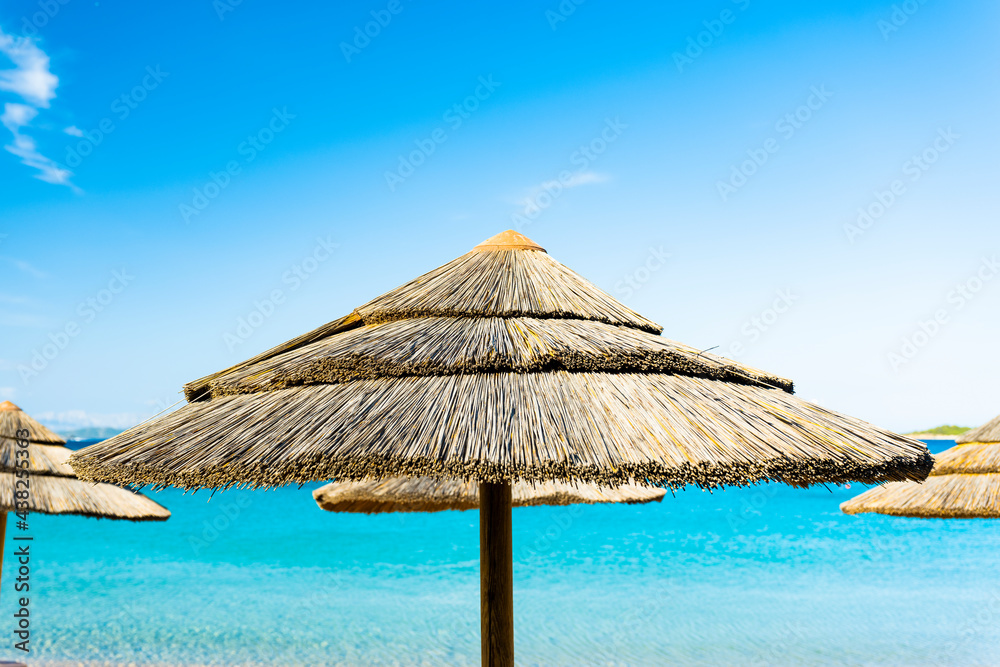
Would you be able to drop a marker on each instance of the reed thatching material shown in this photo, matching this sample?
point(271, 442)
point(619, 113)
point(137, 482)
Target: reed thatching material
point(68, 495)
point(52, 484)
point(988, 432)
point(13, 420)
point(600, 428)
point(940, 497)
point(970, 459)
point(425, 494)
point(964, 484)
point(469, 346)
point(502, 282)
point(42, 459)
point(502, 365)
point(198, 389)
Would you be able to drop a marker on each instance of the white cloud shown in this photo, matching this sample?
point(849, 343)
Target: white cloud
point(574, 181)
point(30, 78)
point(15, 116)
point(36, 85)
point(74, 130)
point(6, 393)
point(24, 266)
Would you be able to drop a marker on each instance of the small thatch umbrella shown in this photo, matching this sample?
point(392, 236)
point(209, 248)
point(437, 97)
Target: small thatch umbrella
point(51, 486)
point(428, 494)
point(964, 483)
point(500, 366)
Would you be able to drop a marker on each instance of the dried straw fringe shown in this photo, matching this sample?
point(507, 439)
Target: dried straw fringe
point(462, 345)
point(593, 427)
point(52, 484)
point(423, 494)
point(988, 432)
point(969, 458)
point(68, 495)
point(42, 459)
point(503, 283)
point(199, 389)
point(941, 496)
point(12, 420)
point(964, 483)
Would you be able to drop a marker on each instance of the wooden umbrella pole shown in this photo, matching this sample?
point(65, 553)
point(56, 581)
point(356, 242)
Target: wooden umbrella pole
point(496, 565)
point(3, 537)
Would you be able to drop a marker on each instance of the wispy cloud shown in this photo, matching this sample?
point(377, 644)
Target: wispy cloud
point(30, 78)
point(10, 298)
point(6, 393)
point(25, 267)
point(574, 181)
point(73, 130)
point(15, 116)
point(23, 320)
point(35, 84)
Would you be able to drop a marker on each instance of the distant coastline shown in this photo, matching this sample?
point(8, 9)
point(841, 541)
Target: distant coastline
point(946, 432)
point(90, 433)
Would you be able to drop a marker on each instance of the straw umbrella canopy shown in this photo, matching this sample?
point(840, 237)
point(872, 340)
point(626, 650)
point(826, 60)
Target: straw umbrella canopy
point(429, 494)
point(53, 487)
point(963, 484)
point(500, 366)
point(48, 484)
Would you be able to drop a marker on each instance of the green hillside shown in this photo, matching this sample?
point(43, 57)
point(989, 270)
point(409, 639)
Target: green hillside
point(943, 430)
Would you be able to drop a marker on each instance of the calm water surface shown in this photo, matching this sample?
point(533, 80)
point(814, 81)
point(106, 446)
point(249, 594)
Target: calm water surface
point(769, 575)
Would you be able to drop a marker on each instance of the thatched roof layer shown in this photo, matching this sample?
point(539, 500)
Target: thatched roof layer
point(597, 427)
point(940, 497)
point(42, 459)
point(501, 365)
point(970, 459)
point(988, 432)
point(53, 487)
point(465, 345)
point(13, 420)
point(424, 494)
point(68, 495)
point(198, 389)
point(964, 484)
point(502, 283)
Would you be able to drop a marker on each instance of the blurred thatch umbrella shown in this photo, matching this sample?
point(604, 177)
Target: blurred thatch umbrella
point(429, 494)
point(50, 485)
point(500, 366)
point(964, 483)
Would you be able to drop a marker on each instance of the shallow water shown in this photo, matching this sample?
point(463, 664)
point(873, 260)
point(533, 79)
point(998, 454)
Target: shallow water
point(766, 576)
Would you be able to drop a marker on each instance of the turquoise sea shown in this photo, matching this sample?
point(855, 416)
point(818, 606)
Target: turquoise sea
point(760, 576)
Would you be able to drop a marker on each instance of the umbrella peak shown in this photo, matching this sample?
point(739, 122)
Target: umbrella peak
point(508, 240)
point(8, 406)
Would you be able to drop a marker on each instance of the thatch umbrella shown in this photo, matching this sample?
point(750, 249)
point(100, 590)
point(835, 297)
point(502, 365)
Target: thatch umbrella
point(500, 366)
point(429, 494)
point(963, 484)
point(48, 484)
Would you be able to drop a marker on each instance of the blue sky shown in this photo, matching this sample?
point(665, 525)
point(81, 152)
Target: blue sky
point(809, 186)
